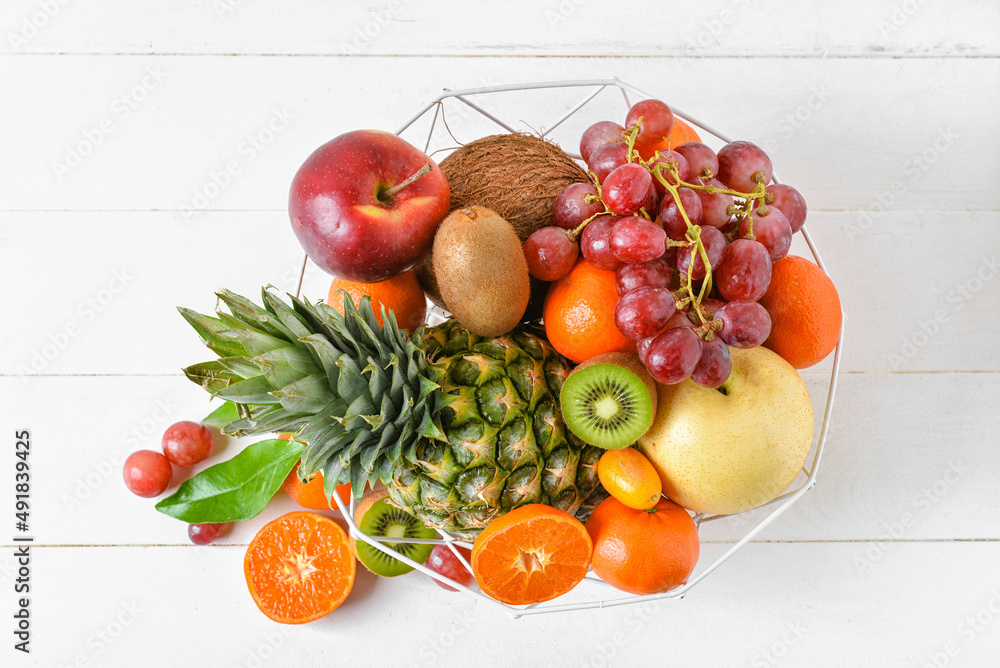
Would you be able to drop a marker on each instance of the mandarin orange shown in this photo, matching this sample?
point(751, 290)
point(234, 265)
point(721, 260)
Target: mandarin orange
point(805, 312)
point(401, 294)
point(629, 477)
point(643, 551)
point(579, 314)
point(310, 494)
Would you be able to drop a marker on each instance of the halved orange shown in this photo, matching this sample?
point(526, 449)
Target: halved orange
point(532, 554)
point(299, 567)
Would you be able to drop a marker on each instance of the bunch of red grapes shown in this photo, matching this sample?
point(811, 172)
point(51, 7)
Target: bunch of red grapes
point(691, 234)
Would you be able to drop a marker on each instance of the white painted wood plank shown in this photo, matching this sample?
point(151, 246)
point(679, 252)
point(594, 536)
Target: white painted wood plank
point(771, 605)
point(908, 296)
point(853, 134)
point(908, 454)
point(523, 27)
point(110, 297)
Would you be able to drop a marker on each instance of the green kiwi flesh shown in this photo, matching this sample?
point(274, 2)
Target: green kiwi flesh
point(385, 521)
point(606, 405)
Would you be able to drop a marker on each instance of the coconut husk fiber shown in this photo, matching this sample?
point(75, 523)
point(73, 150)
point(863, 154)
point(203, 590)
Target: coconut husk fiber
point(516, 175)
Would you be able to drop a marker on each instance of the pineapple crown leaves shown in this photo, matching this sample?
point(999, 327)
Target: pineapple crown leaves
point(359, 394)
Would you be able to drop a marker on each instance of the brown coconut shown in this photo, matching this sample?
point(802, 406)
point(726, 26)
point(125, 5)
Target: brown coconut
point(516, 175)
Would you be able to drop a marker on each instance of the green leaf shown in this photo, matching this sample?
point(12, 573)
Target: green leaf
point(222, 415)
point(254, 342)
point(213, 376)
point(209, 329)
point(237, 489)
point(243, 367)
point(306, 395)
point(250, 391)
point(291, 320)
point(286, 365)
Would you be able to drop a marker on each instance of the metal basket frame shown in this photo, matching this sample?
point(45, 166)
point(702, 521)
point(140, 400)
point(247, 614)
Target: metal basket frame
point(781, 503)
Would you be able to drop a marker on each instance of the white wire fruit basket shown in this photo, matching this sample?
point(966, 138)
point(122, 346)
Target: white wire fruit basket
point(465, 115)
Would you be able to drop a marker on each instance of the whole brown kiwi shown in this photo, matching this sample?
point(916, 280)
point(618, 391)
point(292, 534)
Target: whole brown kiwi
point(516, 175)
point(481, 272)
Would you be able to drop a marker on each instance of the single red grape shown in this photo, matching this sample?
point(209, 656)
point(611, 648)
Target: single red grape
point(791, 203)
point(654, 119)
point(673, 355)
point(571, 208)
point(203, 534)
point(731, 230)
point(635, 239)
point(715, 246)
point(671, 217)
point(670, 257)
point(186, 443)
point(744, 324)
point(606, 159)
point(147, 473)
point(634, 275)
point(715, 365)
point(714, 206)
point(644, 312)
point(642, 346)
point(627, 188)
point(701, 159)
point(594, 243)
point(711, 306)
point(652, 203)
point(666, 158)
point(550, 253)
point(772, 230)
point(685, 318)
point(444, 561)
point(597, 135)
point(741, 163)
point(745, 271)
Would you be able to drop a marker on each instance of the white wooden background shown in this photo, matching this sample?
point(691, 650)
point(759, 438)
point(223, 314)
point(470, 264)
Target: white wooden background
point(882, 113)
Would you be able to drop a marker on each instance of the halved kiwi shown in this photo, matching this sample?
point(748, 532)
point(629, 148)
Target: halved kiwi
point(375, 517)
point(609, 400)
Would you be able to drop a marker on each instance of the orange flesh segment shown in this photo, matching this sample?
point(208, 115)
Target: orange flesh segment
point(299, 568)
point(533, 561)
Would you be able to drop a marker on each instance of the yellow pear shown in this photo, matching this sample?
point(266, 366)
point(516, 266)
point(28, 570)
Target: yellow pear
point(730, 449)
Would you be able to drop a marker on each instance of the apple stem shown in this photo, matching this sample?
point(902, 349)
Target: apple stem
point(399, 186)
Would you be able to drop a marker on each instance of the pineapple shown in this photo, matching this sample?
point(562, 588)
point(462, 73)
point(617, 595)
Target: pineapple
point(460, 428)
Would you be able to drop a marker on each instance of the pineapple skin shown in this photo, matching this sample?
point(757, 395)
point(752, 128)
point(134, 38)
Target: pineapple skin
point(505, 444)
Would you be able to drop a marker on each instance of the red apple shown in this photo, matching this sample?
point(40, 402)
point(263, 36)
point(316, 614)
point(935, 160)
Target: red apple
point(366, 204)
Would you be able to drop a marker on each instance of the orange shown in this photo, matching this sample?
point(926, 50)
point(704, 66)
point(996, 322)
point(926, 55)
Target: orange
point(643, 551)
point(532, 554)
point(401, 294)
point(299, 567)
point(680, 133)
point(629, 477)
point(579, 314)
point(805, 312)
point(310, 494)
